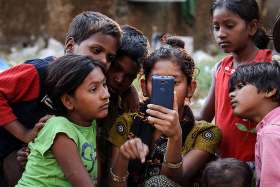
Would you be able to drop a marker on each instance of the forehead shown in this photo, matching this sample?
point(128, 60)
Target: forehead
point(105, 41)
point(95, 76)
point(224, 14)
point(167, 68)
point(126, 64)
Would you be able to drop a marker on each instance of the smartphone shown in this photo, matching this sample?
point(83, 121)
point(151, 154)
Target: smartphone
point(163, 91)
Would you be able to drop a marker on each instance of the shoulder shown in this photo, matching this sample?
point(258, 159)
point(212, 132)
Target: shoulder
point(207, 130)
point(264, 55)
point(203, 136)
point(120, 130)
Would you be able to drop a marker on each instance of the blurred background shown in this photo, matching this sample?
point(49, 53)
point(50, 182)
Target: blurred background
point(37, 28)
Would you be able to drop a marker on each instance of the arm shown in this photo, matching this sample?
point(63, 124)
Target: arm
point(167, 122)
point(207, 112)
point(68, 157)
point(18, 84)
point(21, 133)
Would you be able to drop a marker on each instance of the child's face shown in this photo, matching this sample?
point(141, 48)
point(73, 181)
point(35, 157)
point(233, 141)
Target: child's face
point(246, 101)
point(91, 98)
point(121, 74)
point(98, 46)
point(168, 68)
point(231, 32)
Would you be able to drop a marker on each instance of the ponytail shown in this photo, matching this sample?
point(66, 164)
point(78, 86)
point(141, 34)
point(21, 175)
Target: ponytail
point(261, 39)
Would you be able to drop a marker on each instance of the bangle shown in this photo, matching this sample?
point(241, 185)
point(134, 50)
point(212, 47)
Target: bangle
point(172, 165)
point(117, 178)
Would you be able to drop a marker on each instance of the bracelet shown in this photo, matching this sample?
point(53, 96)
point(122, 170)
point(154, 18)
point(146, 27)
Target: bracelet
point(117, 178)
point(172, 165)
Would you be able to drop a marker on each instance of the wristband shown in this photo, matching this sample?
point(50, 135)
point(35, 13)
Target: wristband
point(117, 178)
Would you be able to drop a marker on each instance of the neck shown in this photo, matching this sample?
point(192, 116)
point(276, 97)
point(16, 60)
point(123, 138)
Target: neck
point(83, 123)
point(264, 110)
point(246, 54)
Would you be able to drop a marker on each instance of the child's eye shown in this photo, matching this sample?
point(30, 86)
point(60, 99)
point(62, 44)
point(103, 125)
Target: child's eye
point(216, 27)
point(96, 50)
point(230, 26)
point(111, 58)
point(240, 85)
point(105, 84)
point(93, 89)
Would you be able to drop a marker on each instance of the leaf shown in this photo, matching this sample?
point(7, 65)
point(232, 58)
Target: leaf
point(241, 127)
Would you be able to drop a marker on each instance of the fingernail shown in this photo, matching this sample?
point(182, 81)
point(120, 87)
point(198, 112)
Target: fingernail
point(148, 110)
point(149, 105)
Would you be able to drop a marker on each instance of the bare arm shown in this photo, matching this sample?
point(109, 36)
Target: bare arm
point(21, 133)
point(207, 112)
point(67, 155)
point(193, 161)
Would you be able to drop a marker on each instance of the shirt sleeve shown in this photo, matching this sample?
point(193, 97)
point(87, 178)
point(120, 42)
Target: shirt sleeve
point(208, 140)
point(120, 130)
point(52, 128)
point(270, 160)
point(17, 84)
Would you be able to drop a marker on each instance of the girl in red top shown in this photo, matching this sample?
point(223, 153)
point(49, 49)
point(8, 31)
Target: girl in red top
point(236, 30)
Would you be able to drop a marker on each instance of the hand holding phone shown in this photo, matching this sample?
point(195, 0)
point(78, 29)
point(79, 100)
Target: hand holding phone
point(163, 91)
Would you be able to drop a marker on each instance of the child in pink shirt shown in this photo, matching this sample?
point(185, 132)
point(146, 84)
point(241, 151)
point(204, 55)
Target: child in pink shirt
point(255, 95)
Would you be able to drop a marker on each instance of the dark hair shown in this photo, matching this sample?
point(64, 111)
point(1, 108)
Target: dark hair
point(174, 52)
point(133, 44)
point(227, 172)
point(247, 10)
point(265, 76)
point(65, 75)
point(177, 55)
point(89, 22)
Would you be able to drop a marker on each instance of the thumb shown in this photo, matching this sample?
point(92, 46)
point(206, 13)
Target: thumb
point(175, 104)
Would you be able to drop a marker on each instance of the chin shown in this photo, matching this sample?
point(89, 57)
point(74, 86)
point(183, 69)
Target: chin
point(102, 114)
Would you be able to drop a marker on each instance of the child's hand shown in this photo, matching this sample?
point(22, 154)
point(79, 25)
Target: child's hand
point(134, 149)
point(31, 134)
point(164, 119)
point(22, 155)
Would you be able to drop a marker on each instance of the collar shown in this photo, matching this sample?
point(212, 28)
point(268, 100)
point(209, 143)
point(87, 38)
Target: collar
point(272, 117)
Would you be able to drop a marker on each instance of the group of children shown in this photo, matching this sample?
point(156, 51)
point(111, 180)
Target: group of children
point(85, 126)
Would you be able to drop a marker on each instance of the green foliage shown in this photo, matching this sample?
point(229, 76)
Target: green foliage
point(204, 77)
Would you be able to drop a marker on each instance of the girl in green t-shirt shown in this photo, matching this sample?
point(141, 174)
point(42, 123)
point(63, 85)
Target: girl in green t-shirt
point(64, 152)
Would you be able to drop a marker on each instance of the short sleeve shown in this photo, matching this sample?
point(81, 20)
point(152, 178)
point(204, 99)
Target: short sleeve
point(46, 136)
point(208, 140)
point(119, 132)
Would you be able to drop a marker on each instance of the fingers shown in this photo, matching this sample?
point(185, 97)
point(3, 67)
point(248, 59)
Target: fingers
point(134, 149)
point(158, 108)
point(45, 119)
point(38, 126)
point(175, 104)
point(22, 155)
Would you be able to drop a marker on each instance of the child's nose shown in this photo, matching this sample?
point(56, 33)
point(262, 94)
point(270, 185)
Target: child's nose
point(221, 33)
point(119, 78)
point(232, 94)
point(105, 93)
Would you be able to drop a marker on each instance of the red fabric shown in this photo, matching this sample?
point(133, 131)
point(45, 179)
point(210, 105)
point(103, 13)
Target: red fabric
point(235, 143)
point(17, 84)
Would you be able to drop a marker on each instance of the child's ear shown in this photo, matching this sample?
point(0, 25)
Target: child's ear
point(191, 88)
point(144, 87)
point(253, 27)
point(271, 93)
point(67, 101)
point(69, 45)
